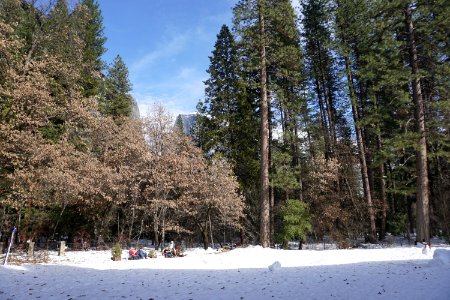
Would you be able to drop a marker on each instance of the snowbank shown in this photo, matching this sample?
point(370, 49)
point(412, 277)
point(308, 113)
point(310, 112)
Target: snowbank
point(243, 273)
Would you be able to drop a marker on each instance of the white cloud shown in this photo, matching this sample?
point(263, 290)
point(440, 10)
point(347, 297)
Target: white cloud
point(164, 50)
point(179, 94)
point(186, 73)
point(171, 73)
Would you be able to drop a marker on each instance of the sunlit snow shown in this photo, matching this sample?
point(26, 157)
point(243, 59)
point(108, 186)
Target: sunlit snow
point(405, 272)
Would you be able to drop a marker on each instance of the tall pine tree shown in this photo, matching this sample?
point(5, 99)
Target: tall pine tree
point(227, 122)
point(90, 21)
point(117, 101)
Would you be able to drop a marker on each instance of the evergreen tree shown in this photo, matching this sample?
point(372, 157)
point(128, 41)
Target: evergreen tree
point(27, 19)
point(296, 222)
point(219, 111)
point(89, 18)
point(349, 34)
point(285, 76)
point(60, 36)
point(316, 17)
point(226, 121)
point(436, 53)
point(117, 100)
point(380, 76)
point(423, 192)
point(429, 68)
point(179, 124)
point(328, 113)
point(264, 205)
point(286, 68)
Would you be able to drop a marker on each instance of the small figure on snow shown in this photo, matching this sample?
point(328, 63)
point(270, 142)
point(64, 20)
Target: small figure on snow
point(142, 254)
point(168, 253)
point(426, 248)
point(133, 254)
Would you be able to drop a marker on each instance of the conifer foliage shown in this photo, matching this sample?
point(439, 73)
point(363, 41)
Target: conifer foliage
point(358, 114)
point(117, 101)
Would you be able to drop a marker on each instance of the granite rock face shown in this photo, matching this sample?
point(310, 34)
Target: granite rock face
point(189, 121)
point(135, 114)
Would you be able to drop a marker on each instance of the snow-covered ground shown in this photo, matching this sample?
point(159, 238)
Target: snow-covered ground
point(243, 273)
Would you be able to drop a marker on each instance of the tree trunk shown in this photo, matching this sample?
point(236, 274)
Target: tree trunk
point(131, 225)
point(118, 227)
point(362, 154)
point(163, 227)
point(27, 216)
point(422, 197)
point(369, 158)
point(141, 229)
point(384, 204)
point(155, 228)
point(323, 120)
point(264, 201)
point(19, 222)
point(393, 198)
point(59, 219)
point(211, 230)
point(299, 192)
point(328, 100)
point(205, 238)
point(271, 190)
point(411, 220)
point(272, 215)
point(443, 208)
point(203, 231)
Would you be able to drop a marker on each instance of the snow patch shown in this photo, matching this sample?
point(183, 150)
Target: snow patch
point(441, 257)
point(426, 250)
point(12, 267)
point(248, 273)
point(275, 266)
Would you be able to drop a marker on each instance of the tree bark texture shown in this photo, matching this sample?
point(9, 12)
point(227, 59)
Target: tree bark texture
point(264, 200)
point(422, 197)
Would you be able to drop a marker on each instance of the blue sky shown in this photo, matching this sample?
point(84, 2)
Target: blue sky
point(165, 44)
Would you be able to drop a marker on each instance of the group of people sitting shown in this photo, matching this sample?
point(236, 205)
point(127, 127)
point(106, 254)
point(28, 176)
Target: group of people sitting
point(172, 251)
point(137, 254)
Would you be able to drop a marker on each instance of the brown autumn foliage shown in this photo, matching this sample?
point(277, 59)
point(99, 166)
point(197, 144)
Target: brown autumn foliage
point(120, 148)
point(184, 191)
point(160, 185)
point(208, 191)
point(58, 153)
point(328, 207)
point(41, 117)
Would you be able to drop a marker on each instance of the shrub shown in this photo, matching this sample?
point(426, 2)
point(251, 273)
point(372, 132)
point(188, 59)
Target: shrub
point(296, 220)
point(116, 252)
point(152, 254)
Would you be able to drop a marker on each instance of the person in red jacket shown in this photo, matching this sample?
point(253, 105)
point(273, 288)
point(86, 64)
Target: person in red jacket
point(133, 253)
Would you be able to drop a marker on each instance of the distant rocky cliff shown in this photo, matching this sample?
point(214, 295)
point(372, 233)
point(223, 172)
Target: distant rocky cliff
point(135, 114)
point(189, 121)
